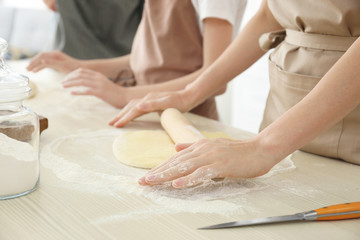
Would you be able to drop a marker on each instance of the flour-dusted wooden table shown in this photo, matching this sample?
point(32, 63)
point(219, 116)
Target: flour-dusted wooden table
point(57, 211)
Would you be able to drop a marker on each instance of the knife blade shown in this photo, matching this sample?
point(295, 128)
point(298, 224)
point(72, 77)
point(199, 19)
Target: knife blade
point(334, 212)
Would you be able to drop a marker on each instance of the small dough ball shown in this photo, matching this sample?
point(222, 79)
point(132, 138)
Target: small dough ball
point(34, 89)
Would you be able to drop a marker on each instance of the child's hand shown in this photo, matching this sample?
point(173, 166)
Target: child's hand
point(150, 103)
point(96, 84)
point(56, 60)
point(208, 159)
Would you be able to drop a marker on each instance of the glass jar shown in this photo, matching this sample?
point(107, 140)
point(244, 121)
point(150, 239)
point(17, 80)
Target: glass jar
point(19, 135)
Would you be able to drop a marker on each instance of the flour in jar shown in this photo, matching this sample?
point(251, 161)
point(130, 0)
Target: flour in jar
point(19, 166)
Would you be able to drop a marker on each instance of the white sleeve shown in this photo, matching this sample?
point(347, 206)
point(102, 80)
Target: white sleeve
point(229, 10)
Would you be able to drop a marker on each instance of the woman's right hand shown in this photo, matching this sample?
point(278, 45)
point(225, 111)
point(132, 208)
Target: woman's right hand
point(56, 60)
point(152, 102)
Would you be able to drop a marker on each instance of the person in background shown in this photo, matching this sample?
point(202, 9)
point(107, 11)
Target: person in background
point(176, 41)
point(313, 103)
point(86, 29)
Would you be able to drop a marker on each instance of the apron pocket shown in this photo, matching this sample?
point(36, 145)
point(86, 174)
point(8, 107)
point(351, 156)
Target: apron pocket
point(286, 90)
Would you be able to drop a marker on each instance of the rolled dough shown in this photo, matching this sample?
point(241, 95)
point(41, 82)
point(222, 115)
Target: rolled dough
point(148, 148)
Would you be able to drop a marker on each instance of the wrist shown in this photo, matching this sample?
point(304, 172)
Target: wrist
point(82, 64)
point(123, 96)
point(191, 96)
point(254, 157)
point(271, 149)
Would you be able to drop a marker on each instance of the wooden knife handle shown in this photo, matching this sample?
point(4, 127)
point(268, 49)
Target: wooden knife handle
point(178, 127)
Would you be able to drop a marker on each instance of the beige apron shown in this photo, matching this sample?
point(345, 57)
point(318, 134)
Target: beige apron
point(168, 45)
point(317, 35)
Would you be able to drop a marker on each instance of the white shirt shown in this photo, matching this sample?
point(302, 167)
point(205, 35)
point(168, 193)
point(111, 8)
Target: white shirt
point(229, 10)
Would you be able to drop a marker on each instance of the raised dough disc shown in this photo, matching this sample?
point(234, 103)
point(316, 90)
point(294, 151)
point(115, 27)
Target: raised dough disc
point(148, 148)
point(34, 90)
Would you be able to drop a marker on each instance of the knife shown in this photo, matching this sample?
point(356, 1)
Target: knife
point(334, 212)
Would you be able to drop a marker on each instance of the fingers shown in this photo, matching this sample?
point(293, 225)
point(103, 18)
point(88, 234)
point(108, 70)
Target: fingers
point(174, 161)
point(79, 77)
point(180, 164)
point(182, 176)
point(56, 60)
point(189, 167)
point(199, 176)
point(114, 121)
point(137, 107)
point(39, 61)
point(129, 113)
point(86, 82)
point(50, 63)
point(38, 67)
point(36, 62)
point(181, 146)
point(172, 173)
point(45, 63)
point(33, 63)
point(171, 162)
point(142, 181)
point(84, 92)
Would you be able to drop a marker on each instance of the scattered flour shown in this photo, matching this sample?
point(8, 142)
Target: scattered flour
point(83, 106)
point(19, 166)
point(86, 161)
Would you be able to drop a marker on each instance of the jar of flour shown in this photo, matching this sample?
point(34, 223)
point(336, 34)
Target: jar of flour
point(19, 134)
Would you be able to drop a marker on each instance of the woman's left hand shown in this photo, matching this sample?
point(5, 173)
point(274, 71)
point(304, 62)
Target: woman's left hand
point(209, 159)
point(97, 85)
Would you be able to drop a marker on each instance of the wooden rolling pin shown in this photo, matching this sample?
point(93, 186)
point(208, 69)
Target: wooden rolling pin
point(178, 127)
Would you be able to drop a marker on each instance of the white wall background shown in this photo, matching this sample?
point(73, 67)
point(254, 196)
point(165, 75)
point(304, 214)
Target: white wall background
point(29, 4)
point(27, 24)
point(243, 104)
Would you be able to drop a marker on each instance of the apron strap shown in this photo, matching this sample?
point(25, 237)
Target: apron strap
point(319, 41)
point(302, 39)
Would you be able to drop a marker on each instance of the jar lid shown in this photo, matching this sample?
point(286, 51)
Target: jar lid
point(13, 86)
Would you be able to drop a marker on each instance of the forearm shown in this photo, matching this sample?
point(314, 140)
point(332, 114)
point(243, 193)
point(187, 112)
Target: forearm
point(109, 67)
point(172, 85)
point(335, 96)
point(241, 54)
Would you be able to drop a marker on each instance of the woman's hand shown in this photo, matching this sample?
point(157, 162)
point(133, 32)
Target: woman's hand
point(96, 84)
point(56, 60)
point(150, 103)
point(209, 159)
